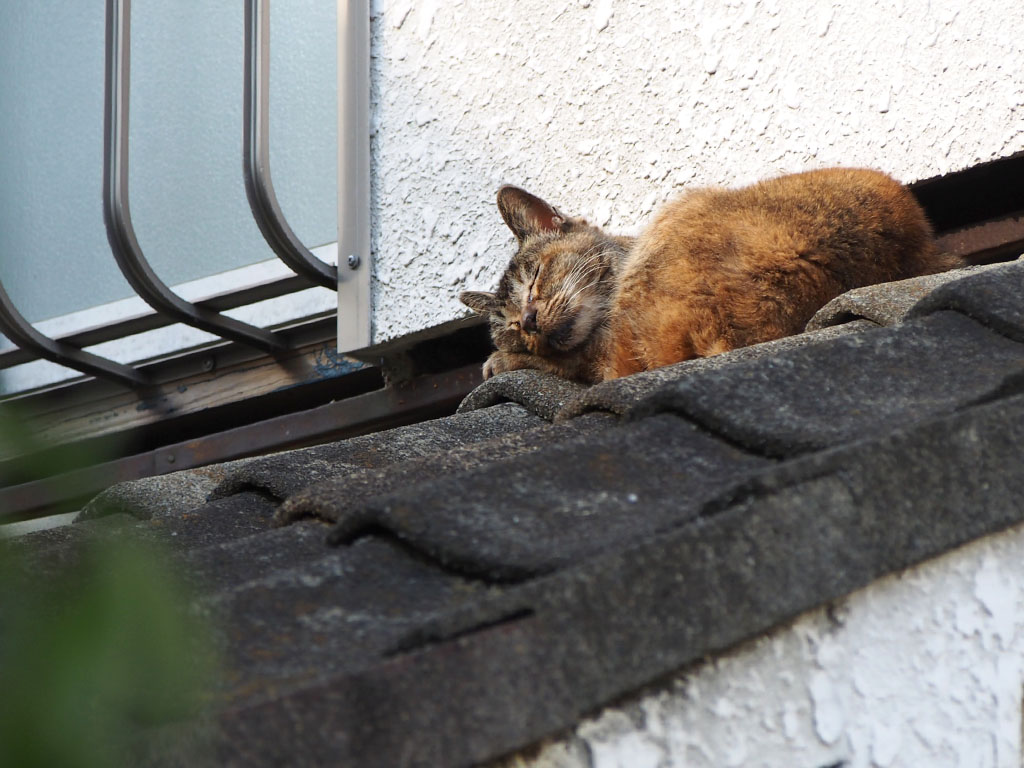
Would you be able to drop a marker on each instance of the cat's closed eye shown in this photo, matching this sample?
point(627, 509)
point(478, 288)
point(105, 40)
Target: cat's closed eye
point(530, 294)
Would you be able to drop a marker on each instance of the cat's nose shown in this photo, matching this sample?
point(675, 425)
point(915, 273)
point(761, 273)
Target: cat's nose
point(529, 321)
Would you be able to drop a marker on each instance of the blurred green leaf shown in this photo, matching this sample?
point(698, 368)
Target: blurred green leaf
point(97, 643)
point(93, 655)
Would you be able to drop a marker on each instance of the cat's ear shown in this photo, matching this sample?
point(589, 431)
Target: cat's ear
point(527, 214)
point(481, 302)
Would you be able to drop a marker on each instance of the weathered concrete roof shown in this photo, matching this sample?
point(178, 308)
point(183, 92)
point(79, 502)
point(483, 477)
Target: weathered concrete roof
point(445, 593)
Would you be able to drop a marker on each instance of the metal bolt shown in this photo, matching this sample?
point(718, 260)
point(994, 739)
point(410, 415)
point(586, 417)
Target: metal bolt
point(171, 458)
point(353, 261)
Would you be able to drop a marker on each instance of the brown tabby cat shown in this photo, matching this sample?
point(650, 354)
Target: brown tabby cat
point(717, 269)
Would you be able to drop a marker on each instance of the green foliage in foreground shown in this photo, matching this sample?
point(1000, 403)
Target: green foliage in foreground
point(92, 654)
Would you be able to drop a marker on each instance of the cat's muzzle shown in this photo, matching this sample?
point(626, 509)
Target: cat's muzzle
point(529, 320)
point(561, 337)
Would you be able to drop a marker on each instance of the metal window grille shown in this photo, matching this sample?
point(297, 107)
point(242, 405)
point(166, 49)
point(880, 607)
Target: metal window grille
point(353, 210)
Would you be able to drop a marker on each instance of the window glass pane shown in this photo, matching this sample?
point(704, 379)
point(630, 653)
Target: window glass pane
point(54, 256)
point(186, 187)
point(304, 116)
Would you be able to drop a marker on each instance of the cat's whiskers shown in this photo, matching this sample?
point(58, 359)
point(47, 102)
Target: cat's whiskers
point(591, 250)
point(575, 277)
point(587, 315)
point(575, 296)
point(581, 271)
point(584, 260)
point(575, 287)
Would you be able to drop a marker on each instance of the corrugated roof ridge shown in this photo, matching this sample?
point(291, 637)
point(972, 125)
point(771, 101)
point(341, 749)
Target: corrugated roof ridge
point(993, 298)
point(888, 303)
point(814, 397)
point(543, 394)
point(335, 497)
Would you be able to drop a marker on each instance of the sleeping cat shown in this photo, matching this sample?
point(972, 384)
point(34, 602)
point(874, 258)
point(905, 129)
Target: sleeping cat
point(717, 269)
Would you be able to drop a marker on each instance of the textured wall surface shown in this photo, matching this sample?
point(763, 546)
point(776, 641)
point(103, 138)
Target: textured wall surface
point(923, 668)
point(608, 107)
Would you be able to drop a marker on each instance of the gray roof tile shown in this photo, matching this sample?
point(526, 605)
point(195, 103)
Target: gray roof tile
point(333, 499)
point(619, 395)
point(541, 393)
point(531, 571)
point(534, 513)
point(160, 495)
point(994, 298)
point(534, 657)
point(886, 303)
point(335, 614)
point(282, 474)
point(857, 386)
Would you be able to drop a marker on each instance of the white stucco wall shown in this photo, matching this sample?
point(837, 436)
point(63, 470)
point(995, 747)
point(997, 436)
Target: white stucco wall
point(922, 668)
point(608, 107)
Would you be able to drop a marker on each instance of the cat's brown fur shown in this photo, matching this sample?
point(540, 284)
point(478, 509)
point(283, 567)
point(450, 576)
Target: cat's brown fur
point(717, 269)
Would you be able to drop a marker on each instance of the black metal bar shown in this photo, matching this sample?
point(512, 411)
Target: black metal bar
point(149, 320)
point(256, 153)
point(116, 211)
point(20, 331)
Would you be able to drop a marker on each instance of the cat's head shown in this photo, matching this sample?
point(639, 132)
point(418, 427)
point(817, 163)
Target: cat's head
point(556, 290)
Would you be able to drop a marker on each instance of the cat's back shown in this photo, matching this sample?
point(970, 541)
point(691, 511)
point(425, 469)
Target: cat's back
point(860, 223)
point(837, 203)
point(818, 192)
point(722, 268)
point(830, 189)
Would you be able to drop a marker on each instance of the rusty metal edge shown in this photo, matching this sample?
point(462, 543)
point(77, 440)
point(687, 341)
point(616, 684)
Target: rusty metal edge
point(433, 394)
point(987, 241)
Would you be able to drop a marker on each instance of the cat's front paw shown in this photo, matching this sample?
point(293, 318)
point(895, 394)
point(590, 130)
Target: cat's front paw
point(500, 362)
point(494, 365)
